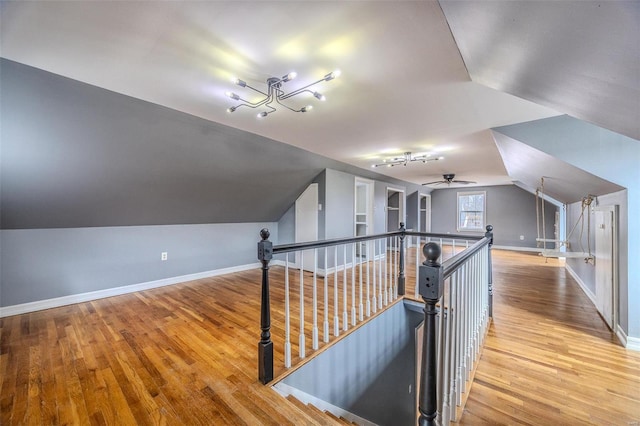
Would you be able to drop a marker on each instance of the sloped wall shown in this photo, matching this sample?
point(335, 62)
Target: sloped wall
point(95, 185)
point(613, 157)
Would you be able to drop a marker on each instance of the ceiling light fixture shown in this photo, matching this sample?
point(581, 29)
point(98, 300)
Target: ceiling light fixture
point(275, 94)
point(407, 158)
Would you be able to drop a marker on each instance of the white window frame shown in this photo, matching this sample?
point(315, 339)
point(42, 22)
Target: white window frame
point(484, 211)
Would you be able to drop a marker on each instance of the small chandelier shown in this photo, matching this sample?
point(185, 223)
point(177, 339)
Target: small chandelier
point(407, 158)
point(275, 94)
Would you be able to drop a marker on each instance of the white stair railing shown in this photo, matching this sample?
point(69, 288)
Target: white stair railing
point(368, 274)
point(461, 288)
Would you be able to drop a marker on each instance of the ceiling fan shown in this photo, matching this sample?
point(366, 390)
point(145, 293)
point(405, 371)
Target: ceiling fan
point(448, 178)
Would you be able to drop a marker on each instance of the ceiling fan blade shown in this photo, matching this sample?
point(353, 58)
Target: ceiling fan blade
point(463, 182)
point(437, 182)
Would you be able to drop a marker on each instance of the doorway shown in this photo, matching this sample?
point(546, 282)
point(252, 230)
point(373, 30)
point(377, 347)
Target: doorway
point(363, 220)
point(424, 213)
point(395, 208)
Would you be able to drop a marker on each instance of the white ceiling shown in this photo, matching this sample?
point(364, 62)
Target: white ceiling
point(404, 85)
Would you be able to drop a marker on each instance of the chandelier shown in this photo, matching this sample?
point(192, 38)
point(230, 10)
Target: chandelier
point(407, 158)
point(275, 94)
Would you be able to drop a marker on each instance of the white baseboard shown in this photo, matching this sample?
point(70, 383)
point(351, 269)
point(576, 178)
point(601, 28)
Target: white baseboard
point(633, 343)
point(581, 283)
point(321, 272)
point(39, 305)
point(286, 390)
point(516, 248)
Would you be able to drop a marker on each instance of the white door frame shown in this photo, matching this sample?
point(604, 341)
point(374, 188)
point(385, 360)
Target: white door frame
point(422, 217)
point(306, 222)
point(401, 209)
point(370, 186)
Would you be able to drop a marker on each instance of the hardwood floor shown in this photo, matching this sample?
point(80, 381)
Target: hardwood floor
point(187, 354)
point(549, 358)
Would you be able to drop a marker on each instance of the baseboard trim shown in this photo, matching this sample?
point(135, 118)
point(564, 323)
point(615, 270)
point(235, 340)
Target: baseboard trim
point(286, 390)
point(40, 305)
point(581, 283)
point(633, 343)
point(516, 248)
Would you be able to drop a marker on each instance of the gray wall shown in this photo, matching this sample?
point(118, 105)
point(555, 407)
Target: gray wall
point(91, 157)
point(40, 264)
point(339, 205)
point(413, 210)
point(510, 209)
point(371, 369)
point(586, 271)
point(94, 185)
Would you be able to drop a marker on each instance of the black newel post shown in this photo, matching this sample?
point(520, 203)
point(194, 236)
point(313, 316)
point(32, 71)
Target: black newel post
point(265, 346)
point(401, 290)
point(430, 286)
point(489, 235)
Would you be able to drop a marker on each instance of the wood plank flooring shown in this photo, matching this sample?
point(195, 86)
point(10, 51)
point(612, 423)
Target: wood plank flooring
point(549, 359)
point(187, 354)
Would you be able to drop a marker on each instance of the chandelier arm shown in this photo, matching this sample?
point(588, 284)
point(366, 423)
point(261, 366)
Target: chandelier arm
point(287, 107)
point(300, 90)
point(256, 90)
point(253, 105)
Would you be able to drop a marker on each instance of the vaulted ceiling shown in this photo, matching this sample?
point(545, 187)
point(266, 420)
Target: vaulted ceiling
point(417, 76)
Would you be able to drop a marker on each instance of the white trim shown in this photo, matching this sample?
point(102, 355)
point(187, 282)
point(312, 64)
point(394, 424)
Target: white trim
point(633, 344)
point(56, 302)
point(581, 283)
point(286, 390)
point(516, 248)
point(622, 336)
point(321, 272)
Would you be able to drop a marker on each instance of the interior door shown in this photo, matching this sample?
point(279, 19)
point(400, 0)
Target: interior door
point(307, 223)
point(604, 224)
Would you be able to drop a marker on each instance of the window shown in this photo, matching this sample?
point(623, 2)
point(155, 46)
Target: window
point(471, 211)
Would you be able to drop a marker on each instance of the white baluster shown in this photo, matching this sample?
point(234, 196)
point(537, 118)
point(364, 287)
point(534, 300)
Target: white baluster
point(301, 339)
point(446, 394)
point(453, 367)
point(465, 327)
point(459, 341)
point(336, 319)
point(353, 284)
point(360, 306)
point(345, 317)
point(374, 299)
point(325, 327)
point(381, 300)
point(314, 330)
point(387, 268)
point(368, 281)
point(287, 316)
